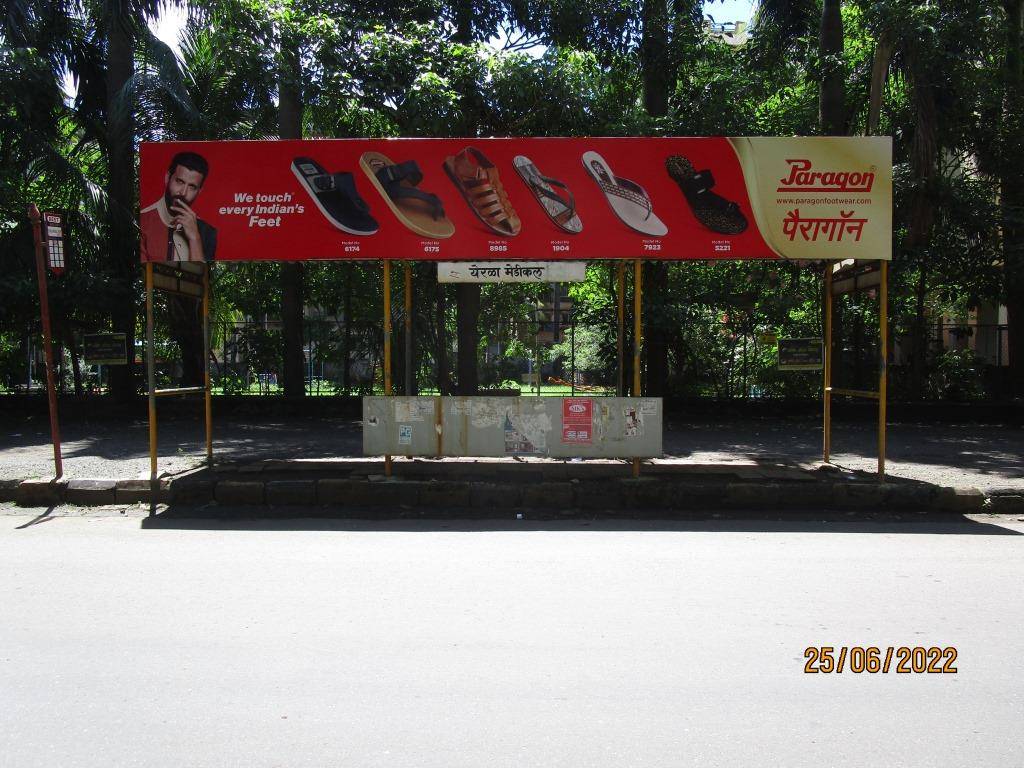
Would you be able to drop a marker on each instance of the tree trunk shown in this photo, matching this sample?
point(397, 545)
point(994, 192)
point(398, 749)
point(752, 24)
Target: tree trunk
point(655, 283)
point(292, 272)
point(346, 363)
point(58, 361)
point(443, 378)
point(469, 336)
point(76, 367)
point(654, 65)
point(831, 100)
point(924, 153)
point(122, 238)
point(398, 338)
point(1012, 183)
point(879, 76)
point(658, 77)
point(412, 377)
point(186, 328)
point(467, 295)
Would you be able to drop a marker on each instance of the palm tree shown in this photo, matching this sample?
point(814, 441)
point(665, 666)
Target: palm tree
point(782, 26)
point(220, 89)
point(1012, 185)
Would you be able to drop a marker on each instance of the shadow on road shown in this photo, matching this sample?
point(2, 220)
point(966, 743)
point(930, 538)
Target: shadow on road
point(258, 519)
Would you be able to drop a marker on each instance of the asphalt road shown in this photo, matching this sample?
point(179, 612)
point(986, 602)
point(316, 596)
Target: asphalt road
point(328, 643)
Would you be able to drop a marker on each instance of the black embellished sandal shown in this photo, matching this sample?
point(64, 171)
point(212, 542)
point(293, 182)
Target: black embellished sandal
point(712, 210)
point(398, 184)
point(336, 196)
point(560, 209)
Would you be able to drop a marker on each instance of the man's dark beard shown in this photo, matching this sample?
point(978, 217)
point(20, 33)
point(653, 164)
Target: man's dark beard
point(170, 200)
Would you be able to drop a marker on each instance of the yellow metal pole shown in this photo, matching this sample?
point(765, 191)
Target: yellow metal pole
point(150, 384)
point(620, 387)
point(827, 387)
point(883, 359)
point(387, 328)
point(208, 404)
point(387, 346)
point(638, 284)
point(407, 390)
point(408, 328)
point(539, 314)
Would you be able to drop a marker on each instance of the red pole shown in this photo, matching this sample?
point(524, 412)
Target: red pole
point(44, 310)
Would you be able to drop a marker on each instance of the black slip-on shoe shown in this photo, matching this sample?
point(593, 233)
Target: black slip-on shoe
point(336, 196)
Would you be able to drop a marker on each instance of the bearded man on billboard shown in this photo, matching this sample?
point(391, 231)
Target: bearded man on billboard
point(171, 230)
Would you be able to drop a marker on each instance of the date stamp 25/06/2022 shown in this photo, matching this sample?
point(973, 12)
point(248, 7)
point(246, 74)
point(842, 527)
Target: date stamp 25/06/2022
point(874, 660)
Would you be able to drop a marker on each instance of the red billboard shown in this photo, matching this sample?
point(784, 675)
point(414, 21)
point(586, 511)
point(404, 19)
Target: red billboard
point(519, 199)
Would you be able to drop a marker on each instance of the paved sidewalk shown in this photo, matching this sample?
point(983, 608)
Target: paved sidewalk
point(979, 456)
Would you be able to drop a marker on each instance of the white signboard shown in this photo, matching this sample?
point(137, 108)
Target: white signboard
point(511, 271)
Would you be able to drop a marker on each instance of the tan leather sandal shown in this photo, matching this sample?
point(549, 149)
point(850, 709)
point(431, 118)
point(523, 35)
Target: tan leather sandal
point(477, 179)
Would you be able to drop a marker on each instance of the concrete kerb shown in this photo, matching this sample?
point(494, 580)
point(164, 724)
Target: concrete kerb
point(40, 493)
point(9, 489)
point(241, 493)
point(596, 494)
point(290, 493)
point(139, 491)
point(91, 492)
point(1005, 501)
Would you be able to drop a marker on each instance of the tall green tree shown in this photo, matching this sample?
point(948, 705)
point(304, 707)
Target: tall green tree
point(1011, 179)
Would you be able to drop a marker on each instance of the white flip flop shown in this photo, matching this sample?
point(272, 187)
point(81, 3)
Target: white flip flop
point(628, 199)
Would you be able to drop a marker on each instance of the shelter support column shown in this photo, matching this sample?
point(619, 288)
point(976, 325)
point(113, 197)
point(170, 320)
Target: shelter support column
point(151, 381)
point(387, 345)
point(883, 360)
point(408, 329)
point(638, 284)
point(620, 387)
point(826, 392)
point(207, 400)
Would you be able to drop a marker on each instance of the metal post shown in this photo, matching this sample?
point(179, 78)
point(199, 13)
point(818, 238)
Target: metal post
point(150, 383)
point(572, 341)
point(536, 348)
point(883, 357)
point(387, 346)
point(408, 329)
point(620, 387)
point(638, 284)
point(44, 312)
point(827, 386)
point(207, 398)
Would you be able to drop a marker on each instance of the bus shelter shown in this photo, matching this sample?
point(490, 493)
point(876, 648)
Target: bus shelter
point(511, 207)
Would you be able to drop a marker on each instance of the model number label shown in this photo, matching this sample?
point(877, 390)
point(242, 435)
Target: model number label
point(495, 247)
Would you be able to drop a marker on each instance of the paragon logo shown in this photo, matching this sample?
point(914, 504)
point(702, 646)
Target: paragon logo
point(802, 179)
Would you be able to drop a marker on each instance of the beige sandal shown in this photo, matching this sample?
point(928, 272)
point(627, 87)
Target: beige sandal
point(420, 211)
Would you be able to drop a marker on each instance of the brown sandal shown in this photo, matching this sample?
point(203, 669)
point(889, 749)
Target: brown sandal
point(477, 179)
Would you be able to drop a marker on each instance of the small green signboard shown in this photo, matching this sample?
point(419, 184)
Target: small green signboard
point(105, 349)
point(801, 354)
